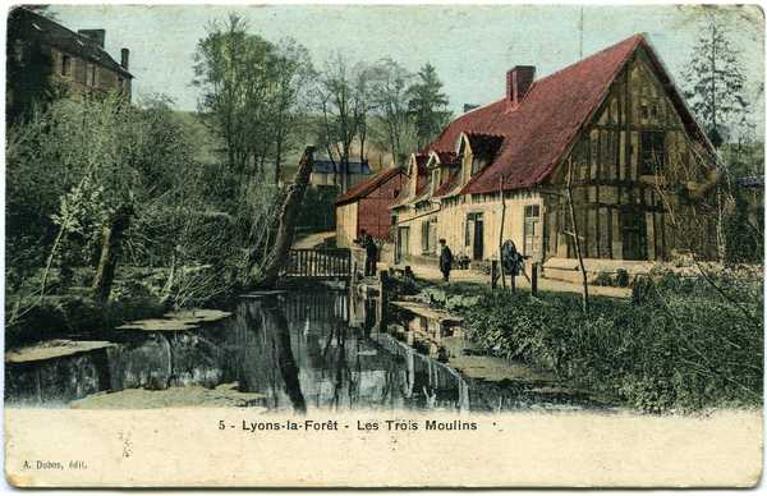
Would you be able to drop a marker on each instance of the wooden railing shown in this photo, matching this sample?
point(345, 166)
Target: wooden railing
point(328, 263)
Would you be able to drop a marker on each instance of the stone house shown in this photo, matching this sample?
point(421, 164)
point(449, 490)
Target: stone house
point(366, 206)
point(45, 57)
point(613, 126)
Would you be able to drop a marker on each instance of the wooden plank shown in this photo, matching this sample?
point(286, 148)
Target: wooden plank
point(617, 236)
point(592, 233)
point(650, 238)
point(427, 312)
point(603, 232)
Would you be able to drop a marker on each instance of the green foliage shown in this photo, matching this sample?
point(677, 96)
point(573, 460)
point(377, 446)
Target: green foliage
point(428, 105)
point(318, 209)
point(679, 345)
point(716, 81)
point(393, 127)
point(73, 166)
point(251, 93)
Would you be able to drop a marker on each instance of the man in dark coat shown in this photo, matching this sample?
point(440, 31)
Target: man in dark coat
point(367, 243)
point(445, 260)
point(371, 256)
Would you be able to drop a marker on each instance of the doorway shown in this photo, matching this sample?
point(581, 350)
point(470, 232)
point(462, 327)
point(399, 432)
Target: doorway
point(475, 235)
point(403, 242)
point(634, 232)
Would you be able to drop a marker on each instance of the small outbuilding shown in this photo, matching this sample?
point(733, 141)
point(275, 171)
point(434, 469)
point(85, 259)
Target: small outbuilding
point(366, 206)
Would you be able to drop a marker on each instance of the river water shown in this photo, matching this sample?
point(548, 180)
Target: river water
point(295, 351)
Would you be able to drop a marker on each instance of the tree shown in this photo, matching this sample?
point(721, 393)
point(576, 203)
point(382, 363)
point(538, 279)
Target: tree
point(251, 92)
point(715, 80)
point(716, 94)
point(428, 105)
point(291, 71)
point(98, 164)
point(343, 100)
point(389, 98)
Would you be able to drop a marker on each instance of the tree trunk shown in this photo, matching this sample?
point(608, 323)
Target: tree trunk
point(278, 162)
point(576, 236)
point(721, 240)
point(51, 256)
point(287, 219)
point(500, 236)
point(112, 236)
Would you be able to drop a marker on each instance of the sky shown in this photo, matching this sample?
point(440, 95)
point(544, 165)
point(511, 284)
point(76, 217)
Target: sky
point(471, 46)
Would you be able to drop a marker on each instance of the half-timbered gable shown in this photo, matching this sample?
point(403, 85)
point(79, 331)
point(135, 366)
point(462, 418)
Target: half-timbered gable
point(634, 165)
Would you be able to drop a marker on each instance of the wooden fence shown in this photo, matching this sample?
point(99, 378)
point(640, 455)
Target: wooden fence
point(331, 263)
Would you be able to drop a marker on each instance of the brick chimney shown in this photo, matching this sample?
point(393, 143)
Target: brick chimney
point(518, 81)
point(96, 35)
point(124, 58)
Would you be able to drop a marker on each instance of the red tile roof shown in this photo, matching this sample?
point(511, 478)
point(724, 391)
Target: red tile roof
point(538, 132)
point(366, 187)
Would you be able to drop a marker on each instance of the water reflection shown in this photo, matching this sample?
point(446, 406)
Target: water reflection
point(299, 350)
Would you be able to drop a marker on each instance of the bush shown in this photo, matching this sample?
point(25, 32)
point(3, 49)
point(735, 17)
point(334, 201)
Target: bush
point(80, 316)
point(678, 345)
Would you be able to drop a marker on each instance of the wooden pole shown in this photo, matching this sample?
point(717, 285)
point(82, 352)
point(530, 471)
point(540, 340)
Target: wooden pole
point(534, 279)
point(575, 234)
point(500, 236)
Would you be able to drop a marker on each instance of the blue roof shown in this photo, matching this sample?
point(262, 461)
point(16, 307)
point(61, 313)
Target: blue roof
point(326, 167)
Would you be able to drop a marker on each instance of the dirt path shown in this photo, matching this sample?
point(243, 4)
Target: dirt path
point(309, 241)
point(432, 274)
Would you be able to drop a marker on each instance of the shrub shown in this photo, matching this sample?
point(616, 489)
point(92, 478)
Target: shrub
point(677, 345)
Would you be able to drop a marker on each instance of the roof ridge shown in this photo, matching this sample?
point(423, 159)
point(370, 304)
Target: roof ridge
point(365, 187)
point(77, 36)
point(637, 37)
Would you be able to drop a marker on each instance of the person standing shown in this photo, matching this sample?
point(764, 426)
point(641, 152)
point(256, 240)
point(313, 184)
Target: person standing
point(445, 260)
point(371, 256)
point(364, 241)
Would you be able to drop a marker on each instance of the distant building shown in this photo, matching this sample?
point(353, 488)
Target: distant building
point(366, 206)
point(46, 59)
point(330, 173)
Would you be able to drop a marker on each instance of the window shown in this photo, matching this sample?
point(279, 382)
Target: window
point(532, 211)
point(652, 152)
point(429, 236)
point(532, 230)
point(470, 227)
point(644, 111)
point(476, 166)
point(66, 65)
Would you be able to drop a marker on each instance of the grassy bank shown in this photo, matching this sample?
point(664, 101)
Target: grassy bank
point(680, 344)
